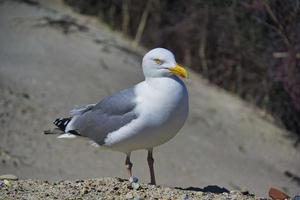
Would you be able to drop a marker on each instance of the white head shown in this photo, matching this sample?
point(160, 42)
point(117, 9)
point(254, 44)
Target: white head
point(161, 62)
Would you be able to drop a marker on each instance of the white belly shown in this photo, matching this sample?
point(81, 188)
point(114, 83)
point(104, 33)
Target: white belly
point(162, 110)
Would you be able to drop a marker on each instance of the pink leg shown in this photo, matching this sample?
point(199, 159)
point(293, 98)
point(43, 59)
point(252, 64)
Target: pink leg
point(128, 165)
point(151, 168)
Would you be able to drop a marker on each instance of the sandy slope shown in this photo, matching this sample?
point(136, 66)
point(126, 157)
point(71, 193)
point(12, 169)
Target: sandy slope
point(44, 72)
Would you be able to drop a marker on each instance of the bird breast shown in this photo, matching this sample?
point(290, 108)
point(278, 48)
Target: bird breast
point(162, 108)
point(162, 99)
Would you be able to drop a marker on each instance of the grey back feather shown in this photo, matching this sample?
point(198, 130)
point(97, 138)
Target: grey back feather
point(81, 109)
point(110, 114)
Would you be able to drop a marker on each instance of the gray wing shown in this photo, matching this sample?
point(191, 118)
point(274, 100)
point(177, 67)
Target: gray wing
point(108, 115)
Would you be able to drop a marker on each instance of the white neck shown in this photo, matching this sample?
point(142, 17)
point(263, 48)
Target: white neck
point(168, 83)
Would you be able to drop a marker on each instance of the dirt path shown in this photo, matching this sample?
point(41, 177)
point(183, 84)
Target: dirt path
point(52, 59)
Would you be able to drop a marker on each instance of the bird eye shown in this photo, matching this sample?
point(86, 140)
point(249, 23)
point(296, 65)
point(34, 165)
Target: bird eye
point(158, 61)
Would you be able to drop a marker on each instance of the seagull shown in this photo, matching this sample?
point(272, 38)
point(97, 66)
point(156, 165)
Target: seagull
point(143, 116)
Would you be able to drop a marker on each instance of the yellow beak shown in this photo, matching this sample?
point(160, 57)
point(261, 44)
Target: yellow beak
point(179, 70)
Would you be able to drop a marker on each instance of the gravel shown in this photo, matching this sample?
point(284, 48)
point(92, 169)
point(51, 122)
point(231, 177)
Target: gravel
point(105, 188)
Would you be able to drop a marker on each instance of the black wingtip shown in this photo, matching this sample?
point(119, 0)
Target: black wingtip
point(62, 123)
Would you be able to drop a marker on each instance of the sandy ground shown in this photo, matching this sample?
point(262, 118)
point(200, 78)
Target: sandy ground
point(45, 70)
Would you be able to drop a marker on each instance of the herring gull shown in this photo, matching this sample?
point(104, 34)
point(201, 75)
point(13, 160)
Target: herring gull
point(140, 117)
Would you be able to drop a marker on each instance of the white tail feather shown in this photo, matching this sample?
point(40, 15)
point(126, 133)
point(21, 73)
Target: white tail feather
point(66, 136)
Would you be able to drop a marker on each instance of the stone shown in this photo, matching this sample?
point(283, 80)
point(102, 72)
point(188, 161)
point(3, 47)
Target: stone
point(275, 194)
point(7, 183)
point(133, 179)
point(8, 177)
point(135, 186)
point(185, 197)
point(129, 196)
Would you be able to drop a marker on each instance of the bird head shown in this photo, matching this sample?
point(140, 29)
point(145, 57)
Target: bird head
point(160, 62)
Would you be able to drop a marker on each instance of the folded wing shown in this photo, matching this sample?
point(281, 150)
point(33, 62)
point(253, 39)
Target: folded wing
point(96, 121)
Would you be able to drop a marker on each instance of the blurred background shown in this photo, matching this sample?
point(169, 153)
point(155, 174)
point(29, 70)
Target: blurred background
point(244, 125)
point(250, 47)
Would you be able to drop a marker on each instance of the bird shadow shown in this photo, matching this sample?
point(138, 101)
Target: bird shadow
point(210, 188)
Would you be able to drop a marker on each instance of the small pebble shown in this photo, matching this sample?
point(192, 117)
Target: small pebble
point(8, 177)
point(185, 197)
point(84, 191)
point(116, 188)
point(133, 179)
point(7, 183)
point(244, 191)
point(135, 186)
point(129, 196)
